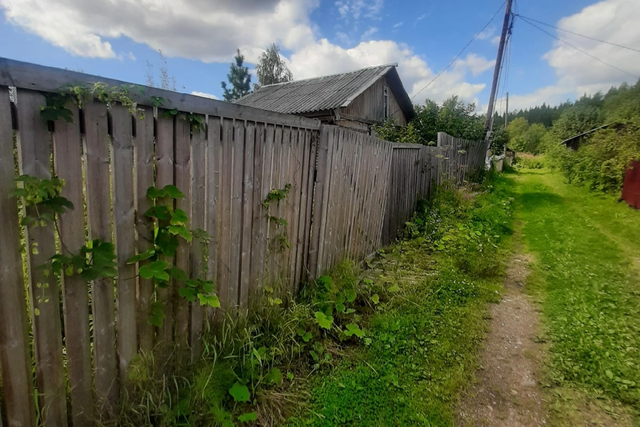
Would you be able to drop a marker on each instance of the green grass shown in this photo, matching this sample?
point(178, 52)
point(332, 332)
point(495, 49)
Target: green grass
point(428, 325)
point(587, 251)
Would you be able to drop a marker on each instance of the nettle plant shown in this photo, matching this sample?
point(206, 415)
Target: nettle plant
point(170, 225)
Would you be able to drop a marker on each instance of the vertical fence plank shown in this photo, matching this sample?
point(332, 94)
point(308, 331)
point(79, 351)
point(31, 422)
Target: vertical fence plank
point(124, 221)
point(273, 207)
point(312, 138)
point(224, 251)
point(247, 215)
point(182, 147)
point(34, 151)
point(198, 222)
point(258, 216)
point(164, 177)
point(67, 149)
point(212, 194)
point(143, 149)
point(99, 225)
point(15, 359)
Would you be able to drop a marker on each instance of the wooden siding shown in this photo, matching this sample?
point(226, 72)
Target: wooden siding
point(369, 106)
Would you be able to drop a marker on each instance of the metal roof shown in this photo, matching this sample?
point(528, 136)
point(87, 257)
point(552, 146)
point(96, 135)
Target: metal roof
point(326, 93)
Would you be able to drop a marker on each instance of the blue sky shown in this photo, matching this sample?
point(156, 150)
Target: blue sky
point(199, 37)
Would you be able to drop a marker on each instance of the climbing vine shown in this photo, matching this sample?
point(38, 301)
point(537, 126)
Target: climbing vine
point(170, 225)
point(56, 103)
point(280, 241)
point(196, 122)
point(43, 204)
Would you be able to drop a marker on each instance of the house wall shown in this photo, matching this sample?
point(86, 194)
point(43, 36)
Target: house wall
point(370, 105)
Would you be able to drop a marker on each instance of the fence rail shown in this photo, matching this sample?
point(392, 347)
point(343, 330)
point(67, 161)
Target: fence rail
point(348, 193)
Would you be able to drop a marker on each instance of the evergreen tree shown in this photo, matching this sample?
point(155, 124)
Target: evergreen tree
point(272, 68)
point(239, 78)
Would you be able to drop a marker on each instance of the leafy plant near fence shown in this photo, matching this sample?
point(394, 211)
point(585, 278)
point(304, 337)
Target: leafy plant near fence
point(43, 203)
point(279, 241)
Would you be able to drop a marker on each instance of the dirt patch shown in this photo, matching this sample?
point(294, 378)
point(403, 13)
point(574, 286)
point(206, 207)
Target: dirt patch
point(506, 392)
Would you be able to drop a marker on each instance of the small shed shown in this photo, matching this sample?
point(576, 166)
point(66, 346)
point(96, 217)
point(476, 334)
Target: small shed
point(357, 99)
point(575, 141)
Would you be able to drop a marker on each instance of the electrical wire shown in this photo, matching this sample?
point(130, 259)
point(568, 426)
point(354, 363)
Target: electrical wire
point(580, 35)
point(576, 48)
point(459, 54)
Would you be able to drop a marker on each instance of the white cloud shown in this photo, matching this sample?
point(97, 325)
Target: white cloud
point(324, 58)
point(370, 32)
point(354, 9)
point(615, 21)
point(487, 34)
point(475, 64)
point(211, 31)
point(398, 25)
point(204, 95)
point(200, 29)
point(495, 40)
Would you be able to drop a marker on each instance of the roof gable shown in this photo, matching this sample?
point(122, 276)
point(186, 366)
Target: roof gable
point(326, 92)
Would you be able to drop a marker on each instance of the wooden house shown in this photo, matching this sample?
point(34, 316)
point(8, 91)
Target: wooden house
point(356, 100)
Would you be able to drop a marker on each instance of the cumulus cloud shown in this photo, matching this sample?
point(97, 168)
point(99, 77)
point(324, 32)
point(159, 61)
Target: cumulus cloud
point(615, 21)
point(196, 29)
point(325, 58)
point(211, 31)
point(487, 34)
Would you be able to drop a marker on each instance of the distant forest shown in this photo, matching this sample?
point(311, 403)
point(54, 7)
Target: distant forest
point(546, 115)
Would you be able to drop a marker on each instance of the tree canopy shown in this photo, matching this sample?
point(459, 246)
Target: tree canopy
point(454, 117)
point(272, 68)
point(239, 79)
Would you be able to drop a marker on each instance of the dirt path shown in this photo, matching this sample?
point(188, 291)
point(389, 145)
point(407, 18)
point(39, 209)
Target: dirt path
point(506, 392)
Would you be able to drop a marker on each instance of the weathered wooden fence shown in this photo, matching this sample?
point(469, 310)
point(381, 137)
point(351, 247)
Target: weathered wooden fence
point(69, 342)
point(416, 168)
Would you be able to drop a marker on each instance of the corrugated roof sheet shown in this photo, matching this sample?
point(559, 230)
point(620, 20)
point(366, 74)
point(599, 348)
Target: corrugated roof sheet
point(317, 94)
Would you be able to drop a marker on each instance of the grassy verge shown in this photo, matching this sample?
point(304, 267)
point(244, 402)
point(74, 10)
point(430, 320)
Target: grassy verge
point(423, 336)
point(392, 344)
point(587, 254)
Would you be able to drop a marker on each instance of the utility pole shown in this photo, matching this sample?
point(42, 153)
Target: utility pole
point(506, 113)
point(506, 29)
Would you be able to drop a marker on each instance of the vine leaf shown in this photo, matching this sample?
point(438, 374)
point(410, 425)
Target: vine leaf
point(155, 270)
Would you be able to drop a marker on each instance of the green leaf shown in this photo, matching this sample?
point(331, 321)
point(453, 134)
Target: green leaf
point(179, 217)
point(158, 266)
point(250, 416)
point(375, 298)
point(153, 193)
point(177, 273)
point(275, 376)
point(323, 320)
point(210, 300)
point(354, 329)
point(173, 192)
point(156, 314)
point(188, 293)
point(159, 212)
point(350, 294)
point(142, 256)
point(239, 392)
point(146, 272)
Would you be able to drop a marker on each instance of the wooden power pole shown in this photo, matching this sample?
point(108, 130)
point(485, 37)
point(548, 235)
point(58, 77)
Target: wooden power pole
point(506, 27)
point(506, 113)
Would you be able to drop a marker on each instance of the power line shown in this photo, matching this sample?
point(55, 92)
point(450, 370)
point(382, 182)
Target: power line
point(577, 48)
point(461, 52)
point(580, 35)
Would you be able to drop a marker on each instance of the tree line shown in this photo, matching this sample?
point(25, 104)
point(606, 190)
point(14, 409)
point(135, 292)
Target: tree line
point(602, 157)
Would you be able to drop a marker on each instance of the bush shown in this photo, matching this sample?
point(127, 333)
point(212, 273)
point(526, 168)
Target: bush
point(527, 161)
